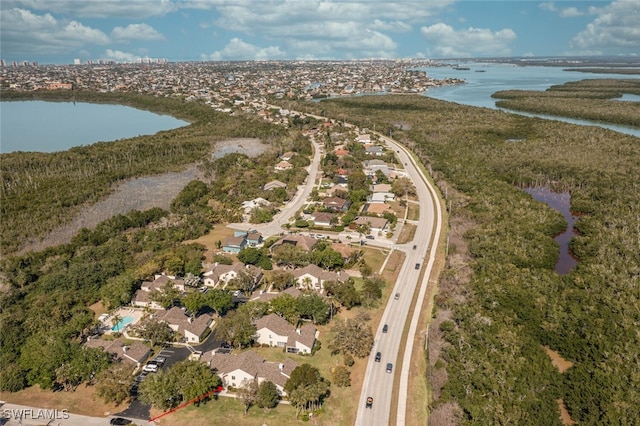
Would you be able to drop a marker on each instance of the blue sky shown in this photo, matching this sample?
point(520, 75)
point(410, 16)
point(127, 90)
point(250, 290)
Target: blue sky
point(57, 31)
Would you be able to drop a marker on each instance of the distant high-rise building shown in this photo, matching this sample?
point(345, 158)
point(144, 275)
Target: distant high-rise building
point(3, 63)
point(77, 61)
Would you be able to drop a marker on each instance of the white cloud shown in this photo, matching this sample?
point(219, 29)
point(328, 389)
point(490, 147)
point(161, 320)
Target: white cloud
point(550, 6)
point(567, 12)
point(136, 9)
point(237, 49)
point(570, 12)
point(120, 56)
point(136, 32)
point(614, 31)
point(362, 27)
point(24, 32)
point(445, 41)
point(397, 26)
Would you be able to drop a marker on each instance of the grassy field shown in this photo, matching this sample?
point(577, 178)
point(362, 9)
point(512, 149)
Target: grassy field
point(83, 401)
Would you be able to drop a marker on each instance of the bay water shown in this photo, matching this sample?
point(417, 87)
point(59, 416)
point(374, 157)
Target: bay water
point(484, 79)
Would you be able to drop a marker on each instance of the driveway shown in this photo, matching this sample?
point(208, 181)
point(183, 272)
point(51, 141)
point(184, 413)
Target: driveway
point(173, 354)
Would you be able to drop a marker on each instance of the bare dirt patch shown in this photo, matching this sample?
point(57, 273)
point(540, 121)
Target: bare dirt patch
point(556, 359)
point(565, 417)
point(141, 194)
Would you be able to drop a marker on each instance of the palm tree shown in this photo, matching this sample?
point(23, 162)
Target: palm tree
point(115, 322)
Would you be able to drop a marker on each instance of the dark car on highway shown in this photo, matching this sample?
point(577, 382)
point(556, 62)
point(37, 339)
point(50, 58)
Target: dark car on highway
point(369, 403)
point(378, 356)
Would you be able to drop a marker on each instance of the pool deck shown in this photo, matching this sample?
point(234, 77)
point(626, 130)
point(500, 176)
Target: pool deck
point(122, 312)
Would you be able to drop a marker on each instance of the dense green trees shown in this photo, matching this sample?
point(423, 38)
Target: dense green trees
point(185, 381)
point(114, 384)
point(499, 290)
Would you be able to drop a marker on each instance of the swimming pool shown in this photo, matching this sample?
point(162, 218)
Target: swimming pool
point(122, 323)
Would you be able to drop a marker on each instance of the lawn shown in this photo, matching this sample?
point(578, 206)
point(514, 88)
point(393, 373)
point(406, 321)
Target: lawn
point(218, 233)
point(83, 401)
point(407, 233)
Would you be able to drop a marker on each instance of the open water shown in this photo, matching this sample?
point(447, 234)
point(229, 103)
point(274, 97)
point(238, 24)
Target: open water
point(57, 126)
point(484, 79)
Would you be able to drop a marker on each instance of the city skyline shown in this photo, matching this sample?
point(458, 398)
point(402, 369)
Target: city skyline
point(201, 30)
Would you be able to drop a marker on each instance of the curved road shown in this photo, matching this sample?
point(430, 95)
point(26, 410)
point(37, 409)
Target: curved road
point(378, 383)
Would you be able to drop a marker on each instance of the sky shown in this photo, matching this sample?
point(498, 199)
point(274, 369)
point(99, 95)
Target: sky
point(58, 31)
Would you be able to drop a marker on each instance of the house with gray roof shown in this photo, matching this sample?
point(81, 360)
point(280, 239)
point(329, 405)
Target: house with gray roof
point(143, 298)
point(313, 277)
point(237, 370)
point(135, 353)
point(192, 330)
point(273, 330)
point(220, 275)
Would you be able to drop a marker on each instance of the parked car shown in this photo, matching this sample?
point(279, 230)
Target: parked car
point(150, 367)
point(369, 403)
point(119, 421)
point(237, 293)
point(160, 360)
point(370, 237)
point(389, 367)
point(378, 356)
point(385, 328)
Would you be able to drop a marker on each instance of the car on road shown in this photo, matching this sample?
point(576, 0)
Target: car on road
point(237, 293)
point(119, 421)
point(415, 246)
point(150, 367)
point(417, 266)
point(389, 368)
point(397, 296)
point(369, 403)
point(378, 356)
point(370, 237)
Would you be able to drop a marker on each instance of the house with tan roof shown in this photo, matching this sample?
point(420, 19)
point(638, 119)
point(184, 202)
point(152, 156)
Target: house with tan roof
point(220, 275)
point(273, 330)
point(376, 224)
point(324, 219)
point(336, 204)
point(287, 155)
point(192, 330)
point(236, 370)
point(136, 353)
point(376, 208)
point(313, 277)
point(283, 165)
point(364, 138)
point(143, 298)
point(234, 244)
point(302, 241)
point(270, 186)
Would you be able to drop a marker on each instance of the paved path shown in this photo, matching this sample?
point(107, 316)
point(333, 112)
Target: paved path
point(23, 415)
